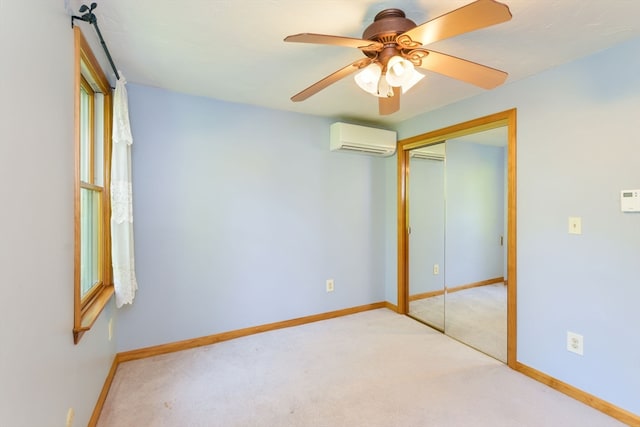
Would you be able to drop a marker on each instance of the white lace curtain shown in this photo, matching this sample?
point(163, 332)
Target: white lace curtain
point(124, 276)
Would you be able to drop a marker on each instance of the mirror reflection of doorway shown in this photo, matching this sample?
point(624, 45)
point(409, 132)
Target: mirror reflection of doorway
point(458, 214)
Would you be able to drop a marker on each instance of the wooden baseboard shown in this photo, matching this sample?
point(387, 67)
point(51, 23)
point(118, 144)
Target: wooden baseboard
point(584, 397)
point(425, 295)
point(430, 294)
point(391, 307)
point(225, 336)
point(93, 421)
point(475, 284)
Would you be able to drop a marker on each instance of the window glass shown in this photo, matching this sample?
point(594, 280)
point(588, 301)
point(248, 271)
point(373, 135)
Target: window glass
point(85, 134)
point(98, 139)
point(89, 239)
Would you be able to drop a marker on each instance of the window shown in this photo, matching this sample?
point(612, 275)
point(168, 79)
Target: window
point(93, 284)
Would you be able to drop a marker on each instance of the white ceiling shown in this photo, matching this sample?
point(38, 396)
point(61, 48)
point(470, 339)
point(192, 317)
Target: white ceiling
point(233, 50)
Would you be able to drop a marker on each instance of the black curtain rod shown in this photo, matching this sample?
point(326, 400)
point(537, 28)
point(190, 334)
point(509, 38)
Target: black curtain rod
point(91, 19)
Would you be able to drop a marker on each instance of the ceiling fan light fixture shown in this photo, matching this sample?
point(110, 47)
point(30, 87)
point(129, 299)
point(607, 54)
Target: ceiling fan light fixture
point(369, 77)
point(415, 78)
point(399, 71)
point(396, 45)
point(384, 88)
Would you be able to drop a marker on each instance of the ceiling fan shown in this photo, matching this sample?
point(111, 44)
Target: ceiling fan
point(393, 46)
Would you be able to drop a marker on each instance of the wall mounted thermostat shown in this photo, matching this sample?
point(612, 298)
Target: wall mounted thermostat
point(630, 200)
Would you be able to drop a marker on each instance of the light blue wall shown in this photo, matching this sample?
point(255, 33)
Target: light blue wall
point(391, 230)
point(241, 214)
point(578, 145)
point(42, 373)
point(475, 213)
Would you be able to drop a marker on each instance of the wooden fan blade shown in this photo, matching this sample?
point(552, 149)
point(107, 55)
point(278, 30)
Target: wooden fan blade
point(330, 79)
point(461, 69)
point(365, 45)
point(390, 105)
point(476, 15)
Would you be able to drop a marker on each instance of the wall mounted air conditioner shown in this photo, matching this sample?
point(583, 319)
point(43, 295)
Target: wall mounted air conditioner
point(362, 139)
point(427, 154)
point(430, 152)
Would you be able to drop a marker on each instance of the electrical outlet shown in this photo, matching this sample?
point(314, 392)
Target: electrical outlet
point(329, 285)
point(436, 269)
point(70, 415)
point(110, 329)
point(575, 225)
point(575, 343)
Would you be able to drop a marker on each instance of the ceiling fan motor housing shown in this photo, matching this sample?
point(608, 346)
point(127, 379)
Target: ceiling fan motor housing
point(386, 26)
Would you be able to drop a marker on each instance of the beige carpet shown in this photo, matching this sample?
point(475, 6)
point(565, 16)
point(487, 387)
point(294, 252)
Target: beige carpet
point(374, 369)
point(475, 316)
point(429, 310)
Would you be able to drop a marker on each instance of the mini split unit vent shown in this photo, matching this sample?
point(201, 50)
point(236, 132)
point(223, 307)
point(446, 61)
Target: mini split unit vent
point(354, 138)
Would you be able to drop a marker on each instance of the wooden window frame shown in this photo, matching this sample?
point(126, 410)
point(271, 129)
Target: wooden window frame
point(87, 308)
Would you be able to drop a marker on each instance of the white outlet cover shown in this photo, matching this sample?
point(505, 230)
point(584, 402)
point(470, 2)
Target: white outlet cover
point(575, 343)
point(329, 285)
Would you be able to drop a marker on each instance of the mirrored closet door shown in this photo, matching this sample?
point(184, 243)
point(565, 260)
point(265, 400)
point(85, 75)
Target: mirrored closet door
point(427, 235)
point(457, 238)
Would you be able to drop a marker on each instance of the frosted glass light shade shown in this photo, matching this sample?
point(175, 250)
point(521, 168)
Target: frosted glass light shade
point(415, 78)
point(369, 77)
point(384, 89)
point(399, 71)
